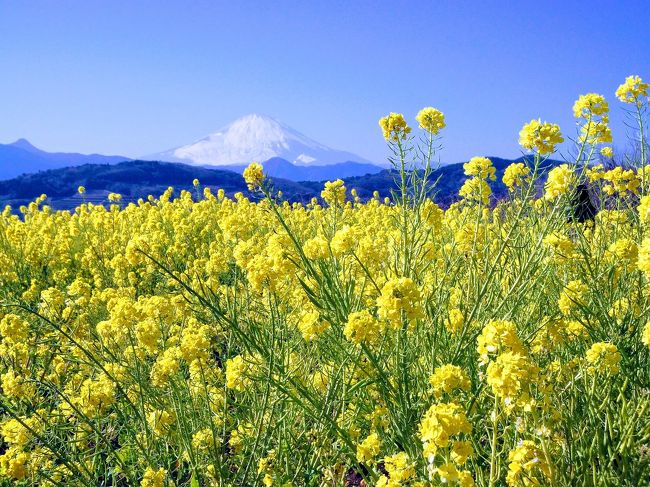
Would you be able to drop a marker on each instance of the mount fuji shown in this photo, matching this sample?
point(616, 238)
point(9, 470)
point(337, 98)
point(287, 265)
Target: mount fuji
point(284, 152)
point(260, 138)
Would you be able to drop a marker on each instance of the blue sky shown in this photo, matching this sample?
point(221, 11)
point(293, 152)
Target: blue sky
point(136, 77)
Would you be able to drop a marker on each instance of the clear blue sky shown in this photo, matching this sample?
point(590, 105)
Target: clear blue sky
point(136, 77)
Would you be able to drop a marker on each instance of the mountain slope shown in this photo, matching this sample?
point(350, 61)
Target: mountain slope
point(281, 168)
point(132, 179)
point(138, 179)
point(21, 157)
point(258, 138)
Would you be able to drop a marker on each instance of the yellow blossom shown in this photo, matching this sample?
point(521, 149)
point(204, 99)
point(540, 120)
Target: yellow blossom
point(516, 175)
point(334, 193)
point(603, 357)
point(153, 478)
point(362, 327)
point(394, 127)
point(440, 423)
point(400, 298)
point(528, 464)
point(510, 375)
point(254, 176)
point(448, 378)
point(632, 90)
point(480, 167)
point(431, 120)
point(541, 137)
point(368, 449)
point(561, 181)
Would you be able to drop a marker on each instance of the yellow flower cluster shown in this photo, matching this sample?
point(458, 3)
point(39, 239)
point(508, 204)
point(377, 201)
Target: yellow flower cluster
point(603, 357)
point(440, 424)
point(595, 133)
point(621, 181)
point(589, 105)
point(480, 167)
point(646, 335)
point(334, 193)
point(362, 327)
point(644, 209)
point(510, 377)
point(394, 127)
point(400, 299)
point(516, 174)
point(594, 109)
point(477, 190)
point(447, 378)
point(399, 469)
point(431, 120)
point(254, 176)
point(560, 182)
point(572, 297)
point(633, 90)
point(236, 370)
point(368, 449)
point(540, 137)
point(607, 152)
point(153, 478)
point(498, 336)
point(528, 465)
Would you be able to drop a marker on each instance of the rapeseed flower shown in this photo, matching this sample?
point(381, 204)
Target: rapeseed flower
point(399, 469)
point(394, 127)
point(527, 464)
point(447, 378)
point(431, 120)
point(368, 449)
point(440, 424)
point(153, 477)
point(586, 106)
point(254, 176)
point(515, 175)
point(362, 327)
point(480, 167)
point(510, 376)
point(632, 90)
point(334, 193)
point(603, 357)
point(477, 190)
point(560, 182)
point(540, 137)
point(498, 336)
point(400, 298)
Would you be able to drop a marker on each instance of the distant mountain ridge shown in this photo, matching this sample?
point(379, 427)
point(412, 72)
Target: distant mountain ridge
point(21, 157)
point(138, 179)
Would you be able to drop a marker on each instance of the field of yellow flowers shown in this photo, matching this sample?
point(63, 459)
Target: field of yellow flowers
point(206, 340)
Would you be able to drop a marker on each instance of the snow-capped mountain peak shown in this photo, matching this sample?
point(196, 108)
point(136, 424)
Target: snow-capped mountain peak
point(258, 138)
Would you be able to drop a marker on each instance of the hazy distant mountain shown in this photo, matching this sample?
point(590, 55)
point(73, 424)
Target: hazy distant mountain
point(256, 138)
point(21, 157)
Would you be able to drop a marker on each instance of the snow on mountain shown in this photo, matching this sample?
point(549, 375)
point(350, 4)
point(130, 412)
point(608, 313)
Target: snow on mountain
point(258, 138)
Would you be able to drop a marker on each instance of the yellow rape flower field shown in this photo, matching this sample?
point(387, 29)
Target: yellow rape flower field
point(205, 340)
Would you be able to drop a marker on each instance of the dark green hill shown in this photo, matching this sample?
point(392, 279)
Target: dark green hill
point(138, 179)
